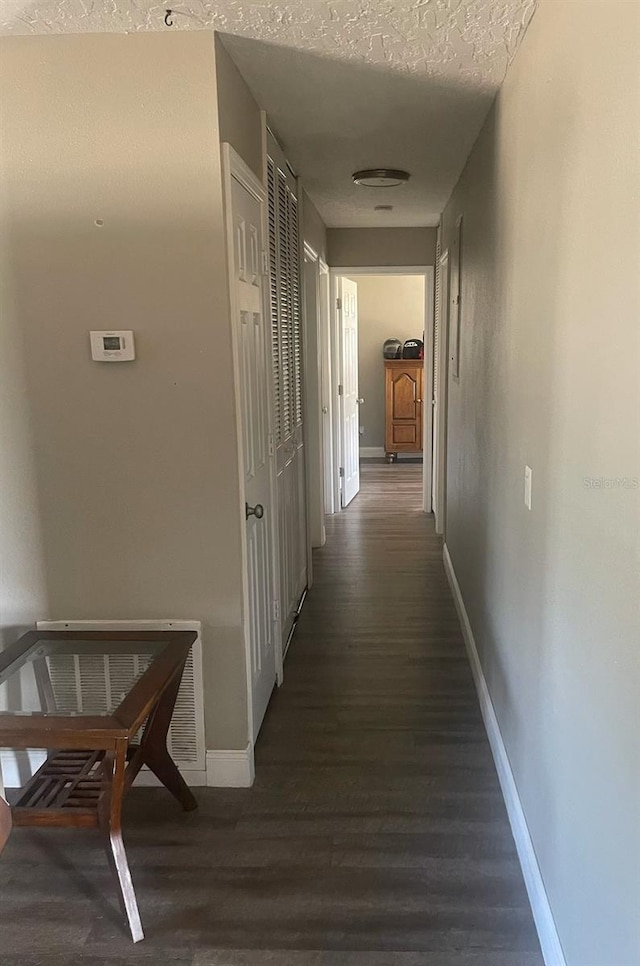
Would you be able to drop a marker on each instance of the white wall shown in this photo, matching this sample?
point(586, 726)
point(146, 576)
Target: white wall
point(549, 376)
point(119, 482)
point(389, 307)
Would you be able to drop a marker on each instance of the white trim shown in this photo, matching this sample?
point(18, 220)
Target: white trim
point(309, 252)
point(313, 424)
point(427, 392)
point(540, 907)
point(335, 329)
point(230, 768)
point(371, 452)
point(440, 511)
point(326, 397)
point(166, 624)
point(381, 269)
point(264, 138)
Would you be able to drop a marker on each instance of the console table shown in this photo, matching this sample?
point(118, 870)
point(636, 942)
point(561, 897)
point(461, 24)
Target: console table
point(94, 758)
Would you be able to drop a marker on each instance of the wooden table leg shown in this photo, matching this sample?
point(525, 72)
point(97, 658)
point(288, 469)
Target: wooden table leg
point(5, 822)
point(110, 816)
point(153, 748)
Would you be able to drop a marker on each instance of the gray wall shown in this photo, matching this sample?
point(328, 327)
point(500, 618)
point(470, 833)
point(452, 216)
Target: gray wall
point(119, 482)
point(23, 592)
point(313, 228)
point(239, 115)
point(389, 307)
point(371, 247)
point(549, 377)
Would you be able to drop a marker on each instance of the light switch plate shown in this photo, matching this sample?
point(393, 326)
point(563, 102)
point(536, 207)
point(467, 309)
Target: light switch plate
point(527, 487)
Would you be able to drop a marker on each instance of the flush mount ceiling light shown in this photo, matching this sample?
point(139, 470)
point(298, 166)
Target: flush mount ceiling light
point(381, 177)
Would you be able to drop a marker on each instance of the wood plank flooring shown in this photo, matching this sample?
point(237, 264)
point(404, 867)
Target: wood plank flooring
point(375, 833)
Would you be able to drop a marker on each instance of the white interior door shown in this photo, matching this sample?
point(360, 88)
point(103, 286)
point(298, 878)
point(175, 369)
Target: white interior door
point(350, 422)
point(440, 351)
point(252, 359)
point(327, 415)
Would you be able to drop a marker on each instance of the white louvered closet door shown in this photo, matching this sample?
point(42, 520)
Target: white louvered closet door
point(286, 342)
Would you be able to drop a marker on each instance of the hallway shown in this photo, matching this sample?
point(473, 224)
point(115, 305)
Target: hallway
point(375, 833)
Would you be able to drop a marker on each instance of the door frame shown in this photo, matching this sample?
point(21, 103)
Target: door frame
point(233, 167)
point(326, 396)
point(312, 390)
point(440, 512)
point(340, 407)
point(335, 328)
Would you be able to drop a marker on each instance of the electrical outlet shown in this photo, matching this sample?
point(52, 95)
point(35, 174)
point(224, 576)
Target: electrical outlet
point(527, 487)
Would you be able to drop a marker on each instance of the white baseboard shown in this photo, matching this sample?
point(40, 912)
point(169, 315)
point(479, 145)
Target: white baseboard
point(230, 769)
point(542, 914)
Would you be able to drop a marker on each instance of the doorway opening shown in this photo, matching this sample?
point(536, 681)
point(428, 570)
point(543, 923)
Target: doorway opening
point(379, 413)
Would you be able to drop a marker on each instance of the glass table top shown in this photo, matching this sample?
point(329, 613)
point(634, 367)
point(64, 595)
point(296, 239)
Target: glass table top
point(74, 675)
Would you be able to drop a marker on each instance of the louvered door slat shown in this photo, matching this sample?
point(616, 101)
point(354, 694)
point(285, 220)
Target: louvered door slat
point(274, 299)
point(287, 297)
point(294, 248)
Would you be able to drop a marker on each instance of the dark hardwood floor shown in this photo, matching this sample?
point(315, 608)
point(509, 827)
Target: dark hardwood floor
point(375, 833)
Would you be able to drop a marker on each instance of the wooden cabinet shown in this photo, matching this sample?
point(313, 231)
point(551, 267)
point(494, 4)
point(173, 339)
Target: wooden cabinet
point(404, 381)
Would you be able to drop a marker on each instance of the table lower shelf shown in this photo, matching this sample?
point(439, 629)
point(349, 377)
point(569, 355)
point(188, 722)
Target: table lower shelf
point(64, 791)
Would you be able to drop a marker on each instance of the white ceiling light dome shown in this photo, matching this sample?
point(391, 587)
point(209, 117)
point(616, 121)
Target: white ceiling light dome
point(381, 177)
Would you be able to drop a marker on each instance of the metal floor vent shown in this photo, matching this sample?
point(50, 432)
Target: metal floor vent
point(96, 684)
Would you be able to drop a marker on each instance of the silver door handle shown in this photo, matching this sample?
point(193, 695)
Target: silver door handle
point(256, 511)
point(360, 401)
point(325, 409)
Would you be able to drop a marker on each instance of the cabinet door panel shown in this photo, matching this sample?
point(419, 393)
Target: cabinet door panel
point(404, 389)
point(404, 434)
point(405, 394)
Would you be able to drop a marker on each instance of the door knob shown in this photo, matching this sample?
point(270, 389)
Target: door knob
point(360, 401)
point(325, 409)
point(256, 511)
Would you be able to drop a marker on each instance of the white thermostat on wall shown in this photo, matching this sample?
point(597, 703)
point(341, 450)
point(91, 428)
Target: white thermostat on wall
point(112, 346)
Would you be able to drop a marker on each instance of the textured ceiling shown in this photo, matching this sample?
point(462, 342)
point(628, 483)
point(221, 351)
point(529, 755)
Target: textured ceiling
point(347, 84)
